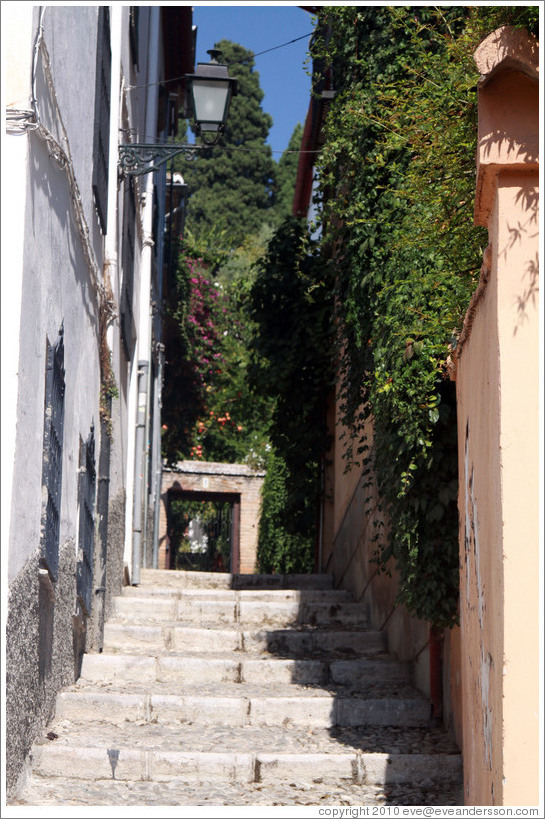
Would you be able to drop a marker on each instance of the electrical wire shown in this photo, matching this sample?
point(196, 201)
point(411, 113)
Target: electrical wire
point(235, 62)
point(20, 121)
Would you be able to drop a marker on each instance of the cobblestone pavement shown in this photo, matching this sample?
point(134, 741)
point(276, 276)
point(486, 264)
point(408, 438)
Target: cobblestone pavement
point(175, 792)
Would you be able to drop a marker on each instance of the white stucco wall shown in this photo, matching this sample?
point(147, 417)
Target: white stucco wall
point(56, 287)
point(15, 90)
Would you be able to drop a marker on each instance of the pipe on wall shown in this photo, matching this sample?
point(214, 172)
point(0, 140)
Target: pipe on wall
point(144, 324)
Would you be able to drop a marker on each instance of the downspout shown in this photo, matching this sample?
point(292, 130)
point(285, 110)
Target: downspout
point(153, 417)
point(144, 329)
point(158, 458)
point(143, 367)
point(146, 444)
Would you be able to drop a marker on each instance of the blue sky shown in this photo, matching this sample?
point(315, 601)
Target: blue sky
point(282, 72)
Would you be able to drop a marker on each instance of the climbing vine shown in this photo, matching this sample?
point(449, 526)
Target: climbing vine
point(291, 308)
point(397, 175)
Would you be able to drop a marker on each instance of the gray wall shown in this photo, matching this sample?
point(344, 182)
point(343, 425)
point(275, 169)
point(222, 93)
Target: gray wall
point(44, 638)
point(56, 285)
point(40, 655)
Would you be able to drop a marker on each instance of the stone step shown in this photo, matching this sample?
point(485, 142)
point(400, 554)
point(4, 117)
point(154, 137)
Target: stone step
point(246, 612)
point(184, 668)
point(289, 738)
point(216, 689)
point(220, 580)
point(105, 755)
point(310, 643)
point(260, 595)
point(242, 705)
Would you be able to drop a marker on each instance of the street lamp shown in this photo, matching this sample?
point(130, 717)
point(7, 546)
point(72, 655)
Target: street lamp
point(210, 90)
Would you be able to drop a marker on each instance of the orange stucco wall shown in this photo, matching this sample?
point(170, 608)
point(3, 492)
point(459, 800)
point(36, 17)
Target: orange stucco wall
point(490, 663)
point(497, 382)
point(352, 516)
point(355, 517)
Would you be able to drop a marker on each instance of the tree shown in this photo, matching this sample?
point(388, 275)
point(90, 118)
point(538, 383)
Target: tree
point(231, 187)
point(210, 411)
point(286, 176)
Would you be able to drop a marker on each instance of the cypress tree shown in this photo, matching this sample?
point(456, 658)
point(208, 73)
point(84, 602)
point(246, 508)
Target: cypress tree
point(231, 188)
point(286, 176)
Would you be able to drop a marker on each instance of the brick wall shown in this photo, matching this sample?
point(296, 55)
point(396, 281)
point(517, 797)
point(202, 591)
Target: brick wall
point(214, 478)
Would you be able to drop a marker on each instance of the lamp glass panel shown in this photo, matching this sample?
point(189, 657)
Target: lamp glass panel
point(210, 98)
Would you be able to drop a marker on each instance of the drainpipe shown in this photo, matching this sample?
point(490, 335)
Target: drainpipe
point(145, 468)
point(144, 324)
point(139, 473)
point(158, 455)
point(436, 673)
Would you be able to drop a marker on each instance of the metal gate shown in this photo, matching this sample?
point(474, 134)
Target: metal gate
point(86, 536)
point(203, 531)
point(52, 454)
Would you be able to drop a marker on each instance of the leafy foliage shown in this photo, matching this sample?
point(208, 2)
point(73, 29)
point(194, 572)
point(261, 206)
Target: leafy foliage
point(398, 177)
point(286, 175)
point(285, 545)
point(291, 305)
point(209, 409)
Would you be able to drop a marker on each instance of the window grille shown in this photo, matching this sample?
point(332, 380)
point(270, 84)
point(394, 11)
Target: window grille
point(101, 138)
point(86, 539)
point(127, 328)
point(52, 455)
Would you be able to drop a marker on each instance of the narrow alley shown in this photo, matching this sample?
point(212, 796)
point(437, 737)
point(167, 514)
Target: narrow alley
point(217, 689)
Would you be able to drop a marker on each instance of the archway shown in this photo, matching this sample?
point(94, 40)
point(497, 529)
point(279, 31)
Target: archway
point(236, 484)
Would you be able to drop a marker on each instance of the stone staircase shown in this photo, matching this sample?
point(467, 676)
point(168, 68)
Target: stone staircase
point(217, 689)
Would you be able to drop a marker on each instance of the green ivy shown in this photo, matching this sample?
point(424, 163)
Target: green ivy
point(286, 528)
point(291, 308)
point(397, 173)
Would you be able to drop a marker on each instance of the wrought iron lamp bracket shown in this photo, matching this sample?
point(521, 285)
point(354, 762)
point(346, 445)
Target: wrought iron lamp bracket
point(137, 158)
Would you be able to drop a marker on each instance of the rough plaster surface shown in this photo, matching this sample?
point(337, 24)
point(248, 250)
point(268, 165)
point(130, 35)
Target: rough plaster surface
point(30, 701)
point(116, 537)
point(110, 576)
point(508, 44)
point(352, 569)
